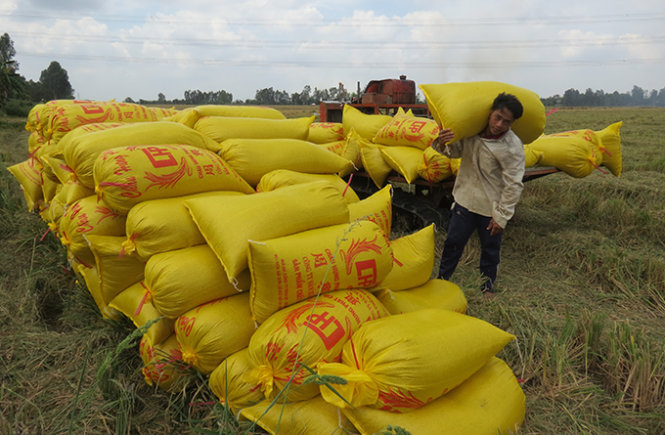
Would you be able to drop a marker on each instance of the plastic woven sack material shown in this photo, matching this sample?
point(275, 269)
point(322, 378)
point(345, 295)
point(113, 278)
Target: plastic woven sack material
point(211, 332)
point(402, 362)
point(374, 162)
point(83, 218)
point(127, 176)
point(81, 152)
point(309, 417)
point(183, 279)
point(289, 269)
point(408, 131)
point(227, 382)
point(366, 125)
point(253, 158)
point(413, 260)
point(489, 402)
point(435, 167)
point(66, 117)
point(376, 208)
point(162, 363)
point(162, 225)
point(221, 128)
point(310, 332)
point(404, 160)
point(285, 177)
point(574, 152)
point(132, 304)
point(465, 107)
point(610, 138)
point(228, 223)
point(116, 272)
point(435, 293)
point(28, 174)
point(325, 132)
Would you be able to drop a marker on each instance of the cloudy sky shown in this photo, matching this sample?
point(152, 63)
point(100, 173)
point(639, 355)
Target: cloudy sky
point(138, 49)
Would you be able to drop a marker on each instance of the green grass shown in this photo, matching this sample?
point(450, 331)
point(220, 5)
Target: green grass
point(581, 286)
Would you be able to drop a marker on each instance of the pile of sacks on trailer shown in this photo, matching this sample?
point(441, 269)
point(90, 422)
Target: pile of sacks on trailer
point(383, 144)
point(229, 235)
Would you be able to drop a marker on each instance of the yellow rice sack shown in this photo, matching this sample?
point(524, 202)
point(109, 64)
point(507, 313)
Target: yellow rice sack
point(190, 115)
point(73, 191)
point(161, 225)
point(58, 167)
point(309, 332)
point(49, 186)
point(413, 260)
point(309, 417)
point(220, 128)
point(45, 112)
point(35, 144)
point(128, 175)
point(465, 107)
point(402, 362)
point(285, 177)
point(28, 174)
point(227, 383)
point(81, 152)
point(454, 165)
point(374, 163)
point(182, 279)
point(56, 210)
point(66, 117)
point(211, 332)
point(32, 121)
point(376, 208)
point(91, 279)
point(610, 138)
point(58, 150)
point(116, 272)
point(84, 217)
point(434, 167)
point(489, 402)
point(531, 156)
point(365, 125)
point(132, 304)
point(435, 293)
point(289, 269)
point(228, 223)
point(336, 147)
point(253, 158)
point(162, 364)
point(574, 152)
point(404, 160)
point(408, 131)
point(351, 151)
point(325, 132)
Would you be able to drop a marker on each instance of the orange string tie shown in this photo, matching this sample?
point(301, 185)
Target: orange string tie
point(347, 184)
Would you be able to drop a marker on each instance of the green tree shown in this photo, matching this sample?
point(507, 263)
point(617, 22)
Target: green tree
point(55, 82)
point(11, 83)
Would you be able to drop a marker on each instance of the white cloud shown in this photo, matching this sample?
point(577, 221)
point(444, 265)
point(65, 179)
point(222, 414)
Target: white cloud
point(240, 46)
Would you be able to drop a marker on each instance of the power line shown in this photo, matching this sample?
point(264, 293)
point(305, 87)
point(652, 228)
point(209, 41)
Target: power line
point(353, 65)
point(388, 21)
point(333, 45)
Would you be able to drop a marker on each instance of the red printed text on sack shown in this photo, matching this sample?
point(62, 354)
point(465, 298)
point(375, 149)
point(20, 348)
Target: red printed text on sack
point(327, 327)
point(160, 157)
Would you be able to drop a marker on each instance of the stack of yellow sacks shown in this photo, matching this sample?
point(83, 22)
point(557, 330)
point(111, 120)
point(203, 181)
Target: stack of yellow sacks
point(253, 262)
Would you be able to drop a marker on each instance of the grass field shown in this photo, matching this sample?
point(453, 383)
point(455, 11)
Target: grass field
point(581, 286)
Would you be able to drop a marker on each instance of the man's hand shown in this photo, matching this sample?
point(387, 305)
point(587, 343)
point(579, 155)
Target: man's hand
point(445, 136)
point(494, 228)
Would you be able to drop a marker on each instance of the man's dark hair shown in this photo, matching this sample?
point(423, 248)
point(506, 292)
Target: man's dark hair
point(510, 102)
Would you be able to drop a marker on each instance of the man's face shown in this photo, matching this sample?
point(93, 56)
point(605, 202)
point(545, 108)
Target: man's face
point(500, 121)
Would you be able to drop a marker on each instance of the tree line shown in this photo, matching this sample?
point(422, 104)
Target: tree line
point(18, 95)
